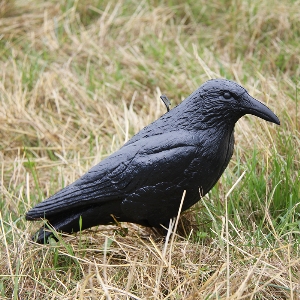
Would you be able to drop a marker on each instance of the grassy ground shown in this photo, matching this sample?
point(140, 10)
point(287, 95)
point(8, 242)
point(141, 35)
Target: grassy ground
point(79, 78)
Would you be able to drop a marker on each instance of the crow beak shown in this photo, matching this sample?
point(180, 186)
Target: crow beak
point(250, 105)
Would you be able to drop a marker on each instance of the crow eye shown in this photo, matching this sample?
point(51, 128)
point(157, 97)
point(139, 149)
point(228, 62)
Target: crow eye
point(227, 95)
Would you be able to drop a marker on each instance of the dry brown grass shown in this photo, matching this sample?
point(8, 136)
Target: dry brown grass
point(137, 268)
point(78, 81)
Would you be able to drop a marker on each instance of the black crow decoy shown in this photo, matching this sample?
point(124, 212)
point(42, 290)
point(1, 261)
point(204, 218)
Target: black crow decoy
point(188, 148)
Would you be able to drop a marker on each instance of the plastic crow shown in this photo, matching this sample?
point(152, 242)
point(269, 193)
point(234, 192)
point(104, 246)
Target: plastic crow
point(188, 148)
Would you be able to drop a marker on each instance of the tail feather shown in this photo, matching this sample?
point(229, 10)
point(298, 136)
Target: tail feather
point(63, 200)
point(71, 197)
point(80, 219)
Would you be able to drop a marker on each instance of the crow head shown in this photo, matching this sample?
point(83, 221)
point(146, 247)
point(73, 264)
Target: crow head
point(224, 102)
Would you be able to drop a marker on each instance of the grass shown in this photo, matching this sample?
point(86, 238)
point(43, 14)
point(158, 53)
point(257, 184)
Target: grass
point(79, 78)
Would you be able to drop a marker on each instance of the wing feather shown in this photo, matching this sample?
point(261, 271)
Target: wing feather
point(146, 162)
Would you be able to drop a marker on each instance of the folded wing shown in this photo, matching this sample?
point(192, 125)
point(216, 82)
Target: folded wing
point(146, 162)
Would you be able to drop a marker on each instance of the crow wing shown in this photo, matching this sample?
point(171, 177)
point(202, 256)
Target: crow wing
point(148, 162)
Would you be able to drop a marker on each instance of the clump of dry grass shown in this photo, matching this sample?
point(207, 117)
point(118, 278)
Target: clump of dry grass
point(78, 80)
point(103, 264)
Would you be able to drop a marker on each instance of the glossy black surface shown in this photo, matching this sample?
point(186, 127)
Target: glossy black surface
point(188, 148)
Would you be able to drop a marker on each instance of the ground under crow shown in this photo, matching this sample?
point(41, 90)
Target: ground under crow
point(188, 148)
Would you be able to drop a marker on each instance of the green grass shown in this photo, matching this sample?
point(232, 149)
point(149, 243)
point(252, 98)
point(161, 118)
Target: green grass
point(79, 78)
